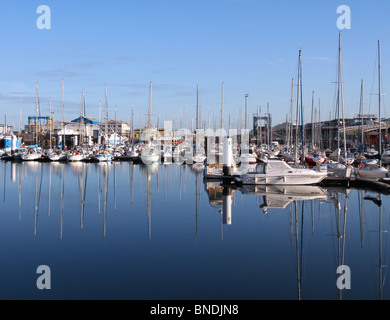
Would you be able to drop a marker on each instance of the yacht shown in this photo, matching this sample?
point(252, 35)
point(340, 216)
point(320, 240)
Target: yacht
point(75, 156)
point(373, 172)
point(32, 154)
point(277, 172)
point(149, 155)
point(103, 156)
point(57, 156)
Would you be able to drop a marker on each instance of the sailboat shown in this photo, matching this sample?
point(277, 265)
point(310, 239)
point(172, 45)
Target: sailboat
point(315, 157)
point(370, 171)
point(76, 156)
point(57, 155)
point(149, 154)
point(340, 166)
point(32, 154)
point(103, 156)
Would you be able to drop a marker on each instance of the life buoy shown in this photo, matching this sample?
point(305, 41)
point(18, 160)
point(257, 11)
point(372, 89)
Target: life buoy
point(361, 165)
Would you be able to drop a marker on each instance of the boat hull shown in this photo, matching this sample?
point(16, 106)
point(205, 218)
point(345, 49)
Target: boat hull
point(291, 179)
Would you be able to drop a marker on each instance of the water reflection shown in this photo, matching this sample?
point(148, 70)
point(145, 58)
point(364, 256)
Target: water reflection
point(301, 233)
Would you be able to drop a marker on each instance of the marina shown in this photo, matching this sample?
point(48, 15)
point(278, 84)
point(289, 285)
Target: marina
point(117, 223)
point(189, 156)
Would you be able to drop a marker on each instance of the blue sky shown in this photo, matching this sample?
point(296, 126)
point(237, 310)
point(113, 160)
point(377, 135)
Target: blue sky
point(249, 45)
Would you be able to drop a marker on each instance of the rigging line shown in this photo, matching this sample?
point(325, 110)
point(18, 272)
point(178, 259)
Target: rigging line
point(383, 107)
point(373, 81)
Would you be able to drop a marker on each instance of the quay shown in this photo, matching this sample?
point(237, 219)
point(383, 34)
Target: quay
point(381, 185)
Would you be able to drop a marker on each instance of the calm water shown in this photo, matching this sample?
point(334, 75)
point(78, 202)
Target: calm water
point(125, 231)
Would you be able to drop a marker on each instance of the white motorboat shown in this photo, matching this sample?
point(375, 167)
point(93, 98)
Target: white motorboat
point(372, 172)
point(275, 172)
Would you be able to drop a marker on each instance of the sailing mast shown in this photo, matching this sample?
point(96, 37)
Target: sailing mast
point(222, 107)
point(149, 125)
point(341, 92)
point(197, 107)
point(319, 125)
point(312, 123)
point(361, 117)
point(50, 125)
point(302, 119)
point(20, 117)
point(379, 103)
point(299, 113)
point(132, 124)
point(106, 117)
point(291, 113)
point(37, 111)
point(62, 115)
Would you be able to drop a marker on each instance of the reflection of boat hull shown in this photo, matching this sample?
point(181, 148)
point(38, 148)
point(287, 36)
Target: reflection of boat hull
point(279, 197)
point(303, 192)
